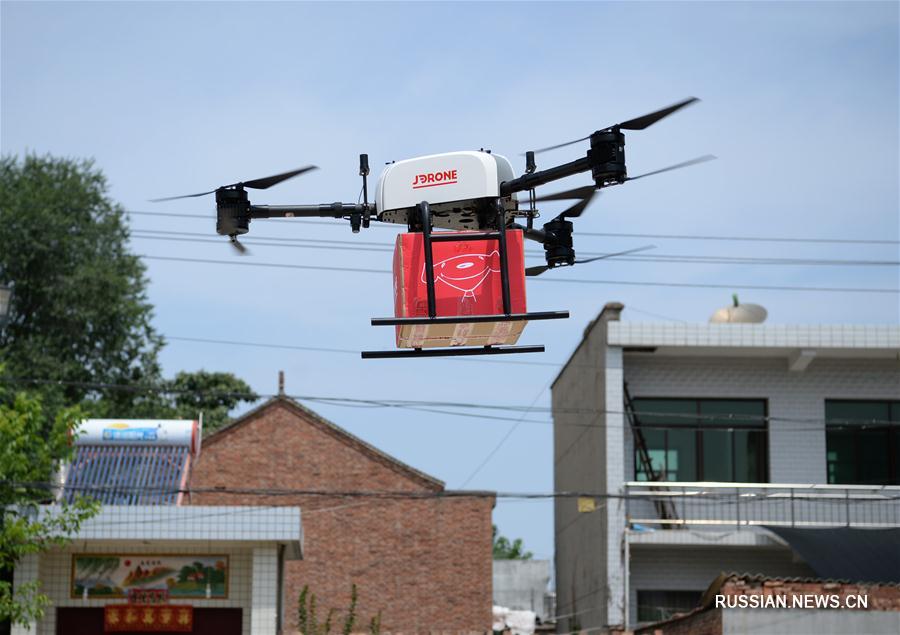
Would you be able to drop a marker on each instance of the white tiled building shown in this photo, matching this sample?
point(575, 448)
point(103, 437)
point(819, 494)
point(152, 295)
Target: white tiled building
point(253, 541)
point(748, 425)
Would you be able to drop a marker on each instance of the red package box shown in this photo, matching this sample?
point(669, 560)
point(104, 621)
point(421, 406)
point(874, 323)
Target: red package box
point(466, 282)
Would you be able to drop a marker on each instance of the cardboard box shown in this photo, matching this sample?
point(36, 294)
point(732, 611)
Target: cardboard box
point(466, 282)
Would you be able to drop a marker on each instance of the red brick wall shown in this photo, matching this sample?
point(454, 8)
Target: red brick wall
point(880, 597)
point(703, 623)
point(709, 621)
point(425, 563)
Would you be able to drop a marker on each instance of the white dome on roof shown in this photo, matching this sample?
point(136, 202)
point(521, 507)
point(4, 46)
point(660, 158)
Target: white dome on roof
point(739, 313)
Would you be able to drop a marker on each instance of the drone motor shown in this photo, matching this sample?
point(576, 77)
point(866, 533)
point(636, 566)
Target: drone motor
point(232, 212)
point(607, 157)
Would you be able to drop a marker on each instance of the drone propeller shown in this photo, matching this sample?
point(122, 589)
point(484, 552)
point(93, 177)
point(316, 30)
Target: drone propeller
point(585, 194)
point(638, 123)
point(683, 164)
point(578, 192)
point(238, 245)
point(256, 184)
point(539, 269)
point(578, 208)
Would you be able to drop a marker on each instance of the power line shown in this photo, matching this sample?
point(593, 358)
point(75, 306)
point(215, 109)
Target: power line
point(740, 419)
point(506, 436)
point(725, 497)
point(368, 246)
point(777, 239)
point(345, 351)
point(327, 493)
point(762, 239)
point(638, 283)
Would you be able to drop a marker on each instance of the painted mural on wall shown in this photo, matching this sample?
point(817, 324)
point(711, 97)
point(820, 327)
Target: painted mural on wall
point(183, 576)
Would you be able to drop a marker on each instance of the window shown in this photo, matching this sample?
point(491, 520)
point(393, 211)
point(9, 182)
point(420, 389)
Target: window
point(863, 442)
point(654, 606)
point(703, 439)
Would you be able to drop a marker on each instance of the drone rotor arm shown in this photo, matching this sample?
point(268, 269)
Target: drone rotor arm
point(322, 210)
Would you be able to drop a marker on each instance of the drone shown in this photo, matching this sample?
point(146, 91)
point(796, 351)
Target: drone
point(459, 270)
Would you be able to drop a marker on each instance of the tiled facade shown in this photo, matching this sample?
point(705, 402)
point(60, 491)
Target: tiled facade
point(250, 537)
point(793, 368)
point(422, 559)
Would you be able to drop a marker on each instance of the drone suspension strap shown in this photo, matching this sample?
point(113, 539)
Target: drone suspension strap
point(428, 239)
point(504, 264)
point(425, 220)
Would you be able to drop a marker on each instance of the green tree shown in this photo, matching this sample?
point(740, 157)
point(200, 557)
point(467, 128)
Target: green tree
point(215, 394)
point(79, 310)
point(80, 314)
point(504, 549)
point(29, 455)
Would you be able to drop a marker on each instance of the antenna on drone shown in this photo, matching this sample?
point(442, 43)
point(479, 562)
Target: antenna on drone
point(364, 172)
point(530, 167)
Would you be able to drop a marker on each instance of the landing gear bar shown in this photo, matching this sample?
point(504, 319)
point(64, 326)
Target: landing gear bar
point(468, 319)
point(452, 351)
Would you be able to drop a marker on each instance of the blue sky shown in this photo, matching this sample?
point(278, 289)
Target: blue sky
point(800, 104)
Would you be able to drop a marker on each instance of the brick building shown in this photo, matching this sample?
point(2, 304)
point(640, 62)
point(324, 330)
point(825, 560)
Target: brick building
point(420, 555)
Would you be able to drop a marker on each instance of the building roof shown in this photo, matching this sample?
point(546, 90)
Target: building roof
point(186, 523)
point(870, 555)
point(334, 430)
point(832, 340)
point(798, 343)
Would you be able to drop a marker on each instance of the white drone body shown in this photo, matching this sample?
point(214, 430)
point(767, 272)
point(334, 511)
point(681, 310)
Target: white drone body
point(455, 185)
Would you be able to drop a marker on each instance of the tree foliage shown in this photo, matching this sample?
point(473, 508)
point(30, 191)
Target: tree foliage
point(29, 455)
point(80, 313)
point(79, 310)
point(215, 394)
point(504, 549)
point(308, 622)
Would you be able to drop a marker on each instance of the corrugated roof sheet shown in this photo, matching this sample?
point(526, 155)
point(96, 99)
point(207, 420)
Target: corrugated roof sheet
point(844, 553)
point(128, 474)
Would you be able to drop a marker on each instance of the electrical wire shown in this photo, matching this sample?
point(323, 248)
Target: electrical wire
point(276, 492)
point(777, 239)
point(740, 420)
point(322, 493)
point(638, 283)
point(368, 246)
point(506, 436)
point(321, 349)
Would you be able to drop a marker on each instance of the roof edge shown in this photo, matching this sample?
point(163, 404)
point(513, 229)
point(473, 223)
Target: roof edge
point(335, 430)
point(612, 311)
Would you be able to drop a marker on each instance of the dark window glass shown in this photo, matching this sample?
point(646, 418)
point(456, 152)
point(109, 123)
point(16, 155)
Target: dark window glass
point(863, 442)
point(717, 464)
point(733, 412)
point(703, 439)
point(840, 455)
point(654, 606)
point(681, 455)
point(666, 412)
point(655, 441)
